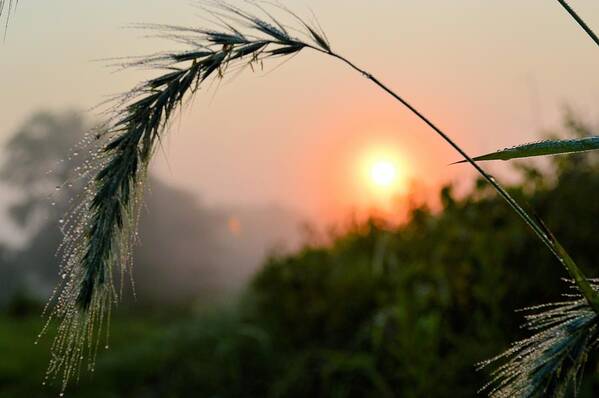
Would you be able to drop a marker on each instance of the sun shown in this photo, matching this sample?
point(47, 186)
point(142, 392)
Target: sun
point(383, 173)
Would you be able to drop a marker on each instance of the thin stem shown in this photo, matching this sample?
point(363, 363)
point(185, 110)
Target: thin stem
point(558, 251)
point(580, 21)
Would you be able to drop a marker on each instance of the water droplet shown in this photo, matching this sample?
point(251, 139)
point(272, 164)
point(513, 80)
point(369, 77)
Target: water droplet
point(58, 187)
point(106, 347)
point(60, 220)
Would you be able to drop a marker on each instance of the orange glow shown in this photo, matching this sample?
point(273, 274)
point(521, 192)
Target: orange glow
point(234, 226)
point(369, 173)
point(383, 173)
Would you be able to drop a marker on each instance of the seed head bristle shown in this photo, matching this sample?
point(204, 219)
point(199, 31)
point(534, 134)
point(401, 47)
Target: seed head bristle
point(7, 7)
point(101, 234)
point(551, 361)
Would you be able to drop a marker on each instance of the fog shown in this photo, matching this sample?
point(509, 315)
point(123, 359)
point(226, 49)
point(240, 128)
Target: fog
point(187, 251)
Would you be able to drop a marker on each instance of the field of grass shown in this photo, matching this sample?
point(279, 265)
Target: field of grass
point(405, 311)
point(23, 363)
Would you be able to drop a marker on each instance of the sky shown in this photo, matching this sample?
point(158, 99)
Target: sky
point(490, 73)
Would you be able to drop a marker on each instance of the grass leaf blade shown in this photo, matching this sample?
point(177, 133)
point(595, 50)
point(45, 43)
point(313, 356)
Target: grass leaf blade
point(543, 148)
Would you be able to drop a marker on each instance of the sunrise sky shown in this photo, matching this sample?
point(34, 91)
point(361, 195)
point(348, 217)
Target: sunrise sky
point(307, 135)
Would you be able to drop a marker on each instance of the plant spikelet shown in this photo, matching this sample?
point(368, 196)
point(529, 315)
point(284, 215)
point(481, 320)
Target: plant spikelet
point(550, 362)
point(96, 253)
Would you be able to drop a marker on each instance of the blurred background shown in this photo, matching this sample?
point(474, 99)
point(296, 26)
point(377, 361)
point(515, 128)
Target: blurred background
point(304, 235)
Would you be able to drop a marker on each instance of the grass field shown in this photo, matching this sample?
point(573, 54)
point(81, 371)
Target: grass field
point(23, 363)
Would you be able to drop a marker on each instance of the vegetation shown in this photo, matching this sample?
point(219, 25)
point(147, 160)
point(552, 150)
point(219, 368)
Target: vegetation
point(7, 7)
point(377, 311)
point(100, 232)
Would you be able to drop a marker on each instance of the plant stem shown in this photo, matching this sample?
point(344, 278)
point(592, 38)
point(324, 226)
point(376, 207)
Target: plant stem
point(580, 21)
point(558, 251)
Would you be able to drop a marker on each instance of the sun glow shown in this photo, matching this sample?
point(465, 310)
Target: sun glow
point(383, 173)
point(368, 176)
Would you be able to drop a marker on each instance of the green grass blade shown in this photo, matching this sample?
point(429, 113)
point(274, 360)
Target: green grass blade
point(543, 148)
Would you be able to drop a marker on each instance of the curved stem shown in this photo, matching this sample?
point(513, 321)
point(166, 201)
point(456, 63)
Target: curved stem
point(558, 251)
point(580, 21)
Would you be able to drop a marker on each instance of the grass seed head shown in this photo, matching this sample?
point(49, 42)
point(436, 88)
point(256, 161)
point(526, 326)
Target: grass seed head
point(100, 236)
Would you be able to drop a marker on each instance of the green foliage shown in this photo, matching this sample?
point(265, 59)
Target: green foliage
point(549, 363)
point(101, 231)
point(442, 296)
point(216, 355)
point(543, 148)
point(377, 312)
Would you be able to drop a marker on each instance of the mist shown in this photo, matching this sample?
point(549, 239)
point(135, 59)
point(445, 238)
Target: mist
point(187, 252)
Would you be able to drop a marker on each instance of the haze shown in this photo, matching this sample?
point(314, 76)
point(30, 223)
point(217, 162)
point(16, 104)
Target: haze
point(487, 72)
